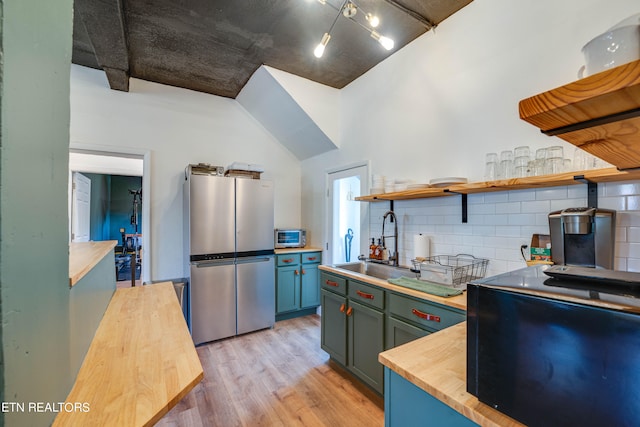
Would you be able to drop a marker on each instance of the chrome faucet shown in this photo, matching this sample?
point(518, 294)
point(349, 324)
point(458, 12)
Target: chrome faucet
point(393, 219)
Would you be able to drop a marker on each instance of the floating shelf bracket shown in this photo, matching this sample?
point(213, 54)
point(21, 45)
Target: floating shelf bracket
point(464, 204)
point(593, 122)
point(592, 190)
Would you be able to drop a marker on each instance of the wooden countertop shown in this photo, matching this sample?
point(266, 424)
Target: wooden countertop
point(141, 361)
point(459, 301)
point(437, 364)
point(297, 250)
point(84, 256)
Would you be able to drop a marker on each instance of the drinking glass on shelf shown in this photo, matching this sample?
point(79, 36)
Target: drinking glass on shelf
point(522, 151)
point(491, 158)
point(566, 165)
point(491, 171)
point(555, 151)
point(554, 165)
point(506, 164)
point(580, 160)
point(521, 166)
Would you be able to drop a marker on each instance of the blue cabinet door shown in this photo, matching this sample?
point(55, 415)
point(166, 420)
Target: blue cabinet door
point(287, 289)
point(333, 326)
point(366, 341)
point(309, 286)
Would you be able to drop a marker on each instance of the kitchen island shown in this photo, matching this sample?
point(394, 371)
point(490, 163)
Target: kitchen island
point(141, 362)
point(426, 380)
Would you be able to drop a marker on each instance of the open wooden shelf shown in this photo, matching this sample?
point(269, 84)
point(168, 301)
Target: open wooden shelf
point(599, 113)
point(568, 178)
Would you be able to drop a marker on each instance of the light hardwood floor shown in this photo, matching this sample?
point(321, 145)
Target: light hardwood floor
point(275, 377)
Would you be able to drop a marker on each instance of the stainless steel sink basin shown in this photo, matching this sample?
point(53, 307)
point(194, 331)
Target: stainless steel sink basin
point(380, 271)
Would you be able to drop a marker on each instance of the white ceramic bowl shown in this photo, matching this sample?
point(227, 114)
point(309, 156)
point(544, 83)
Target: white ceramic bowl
point(616, 46)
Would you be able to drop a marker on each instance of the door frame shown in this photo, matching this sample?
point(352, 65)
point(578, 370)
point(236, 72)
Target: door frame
point(145, 155)
point(364, 207)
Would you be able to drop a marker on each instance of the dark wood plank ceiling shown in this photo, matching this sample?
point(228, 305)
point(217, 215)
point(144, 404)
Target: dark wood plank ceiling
point(214, 46)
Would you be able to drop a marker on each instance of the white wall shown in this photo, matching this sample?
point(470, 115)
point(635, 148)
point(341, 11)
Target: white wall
point(178, 127)
point(434, 108)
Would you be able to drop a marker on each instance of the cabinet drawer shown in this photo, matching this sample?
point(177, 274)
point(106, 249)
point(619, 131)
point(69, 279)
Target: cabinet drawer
point(431, 315)
point(311, 257)
point(288, 259)
point(333, 283)
point(366, 294)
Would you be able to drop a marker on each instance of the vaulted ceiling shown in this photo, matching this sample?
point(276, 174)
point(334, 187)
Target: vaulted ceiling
point(214, 46)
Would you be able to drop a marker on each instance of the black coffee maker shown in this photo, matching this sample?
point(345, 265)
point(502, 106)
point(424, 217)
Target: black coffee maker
point(583, 237)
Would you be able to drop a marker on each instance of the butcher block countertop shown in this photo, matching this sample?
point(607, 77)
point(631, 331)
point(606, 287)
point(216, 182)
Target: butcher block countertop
point(437, 364)
point(141, 361)
point(84, 256)
point(458, 301)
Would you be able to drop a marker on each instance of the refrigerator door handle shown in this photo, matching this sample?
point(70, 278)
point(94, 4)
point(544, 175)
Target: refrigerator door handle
point(205, 264)
point(253, 259)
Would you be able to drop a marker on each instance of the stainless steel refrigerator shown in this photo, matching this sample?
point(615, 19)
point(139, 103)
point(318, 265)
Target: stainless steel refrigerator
point(229, 254)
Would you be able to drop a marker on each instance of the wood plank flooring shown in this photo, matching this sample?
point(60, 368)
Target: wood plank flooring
point(275, 377)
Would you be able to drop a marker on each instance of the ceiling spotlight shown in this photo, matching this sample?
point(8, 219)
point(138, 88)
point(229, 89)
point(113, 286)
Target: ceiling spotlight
point(373, 20)
point(386, 42)
point(349, 10)
point(319, 50)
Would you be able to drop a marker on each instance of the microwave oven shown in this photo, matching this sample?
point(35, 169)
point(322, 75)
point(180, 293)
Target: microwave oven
point(290, 238)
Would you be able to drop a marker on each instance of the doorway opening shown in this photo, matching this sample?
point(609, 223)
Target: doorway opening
point(347, 217)
point(118, 188)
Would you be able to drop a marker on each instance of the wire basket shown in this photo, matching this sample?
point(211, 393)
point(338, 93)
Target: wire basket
point(452, 270)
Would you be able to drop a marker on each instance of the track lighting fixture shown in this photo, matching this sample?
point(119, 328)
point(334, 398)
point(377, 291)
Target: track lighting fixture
point(349, 9)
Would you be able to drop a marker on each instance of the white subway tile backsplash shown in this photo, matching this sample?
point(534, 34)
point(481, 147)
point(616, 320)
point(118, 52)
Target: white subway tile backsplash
point(536, 207)
point(522, 219)
point(621, 188)
point(622, 233)
point(508, 208)
point(616, 203)
point(552, 193)
point(633, 203)
point(577, 192)
point(633, 264)
point(497, 197)
point(499, 222)
point(484, 230)
point(521, 195)
point(508, 230)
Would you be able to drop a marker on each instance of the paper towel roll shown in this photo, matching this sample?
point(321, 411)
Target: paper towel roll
point(421, 246)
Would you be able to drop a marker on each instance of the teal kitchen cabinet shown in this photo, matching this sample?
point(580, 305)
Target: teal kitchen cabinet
point(360, 320)
point(297, 284)
point(310, 280)
point(407, 405)
point(352, 327)
point(333, 326)
point(333, 321)
point(365, 342)
point(411, 318)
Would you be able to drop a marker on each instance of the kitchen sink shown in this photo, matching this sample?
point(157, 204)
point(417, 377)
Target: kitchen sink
point(379, 271)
